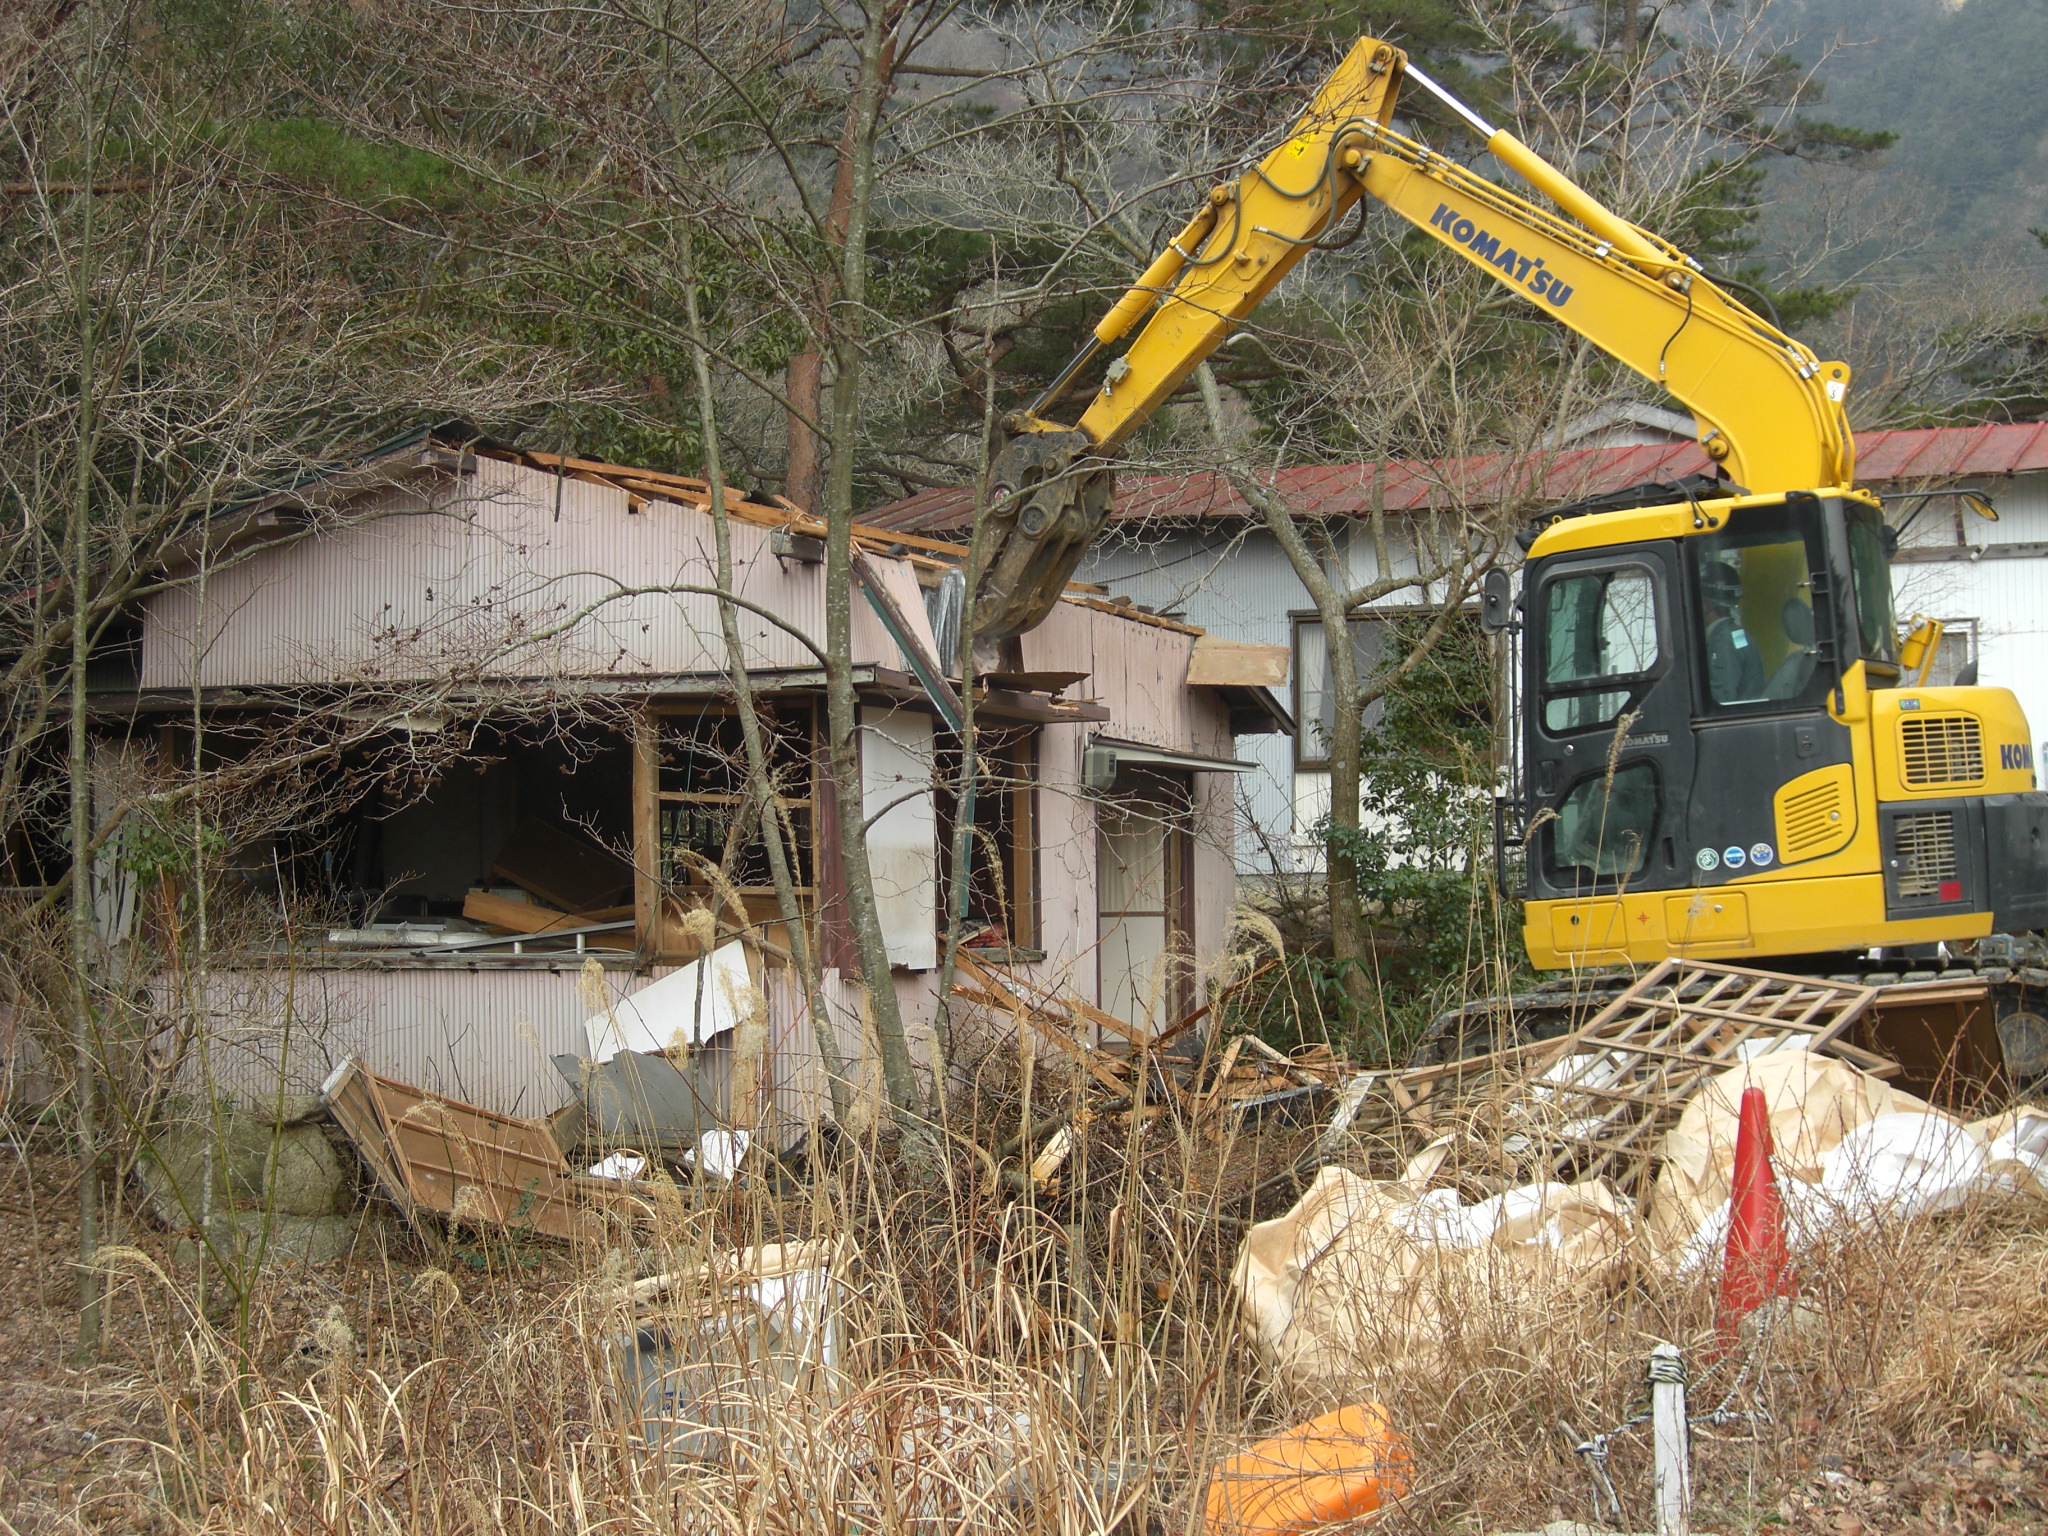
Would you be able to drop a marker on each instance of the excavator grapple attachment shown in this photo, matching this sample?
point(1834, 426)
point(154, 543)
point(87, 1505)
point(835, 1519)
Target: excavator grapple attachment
point(1048, 497)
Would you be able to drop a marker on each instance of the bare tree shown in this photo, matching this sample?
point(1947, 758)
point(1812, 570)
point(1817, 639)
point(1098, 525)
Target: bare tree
point(172, 348)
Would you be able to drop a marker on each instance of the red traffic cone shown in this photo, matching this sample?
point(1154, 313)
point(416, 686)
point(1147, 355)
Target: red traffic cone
point(1756, 1266)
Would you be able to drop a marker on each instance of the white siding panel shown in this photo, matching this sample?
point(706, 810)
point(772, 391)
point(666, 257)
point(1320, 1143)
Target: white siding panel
point(1066, 862)
point(2008, 599)
point(896, 783)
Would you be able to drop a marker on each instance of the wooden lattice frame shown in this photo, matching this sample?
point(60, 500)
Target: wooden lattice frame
point(1601, 1098)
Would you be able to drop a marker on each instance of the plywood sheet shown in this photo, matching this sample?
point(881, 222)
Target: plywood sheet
point(1218, 663)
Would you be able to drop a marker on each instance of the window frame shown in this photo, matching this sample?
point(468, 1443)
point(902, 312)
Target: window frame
point(1306, 724)
point(1166, 798)
point(1632, 685)
point(1886, 654)
point(657, 900)
point(1826, 619)
point(1017, 749)
point(798, 714)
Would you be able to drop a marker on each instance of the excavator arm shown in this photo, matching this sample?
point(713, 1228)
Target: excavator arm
point(1769, 412)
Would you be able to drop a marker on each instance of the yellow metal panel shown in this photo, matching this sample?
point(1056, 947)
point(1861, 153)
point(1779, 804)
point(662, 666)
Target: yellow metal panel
point(1641, 524)
point(1937, 743)
point(1707, 919)
point(1815, 813)
point(1786, 917)
point(1587, 931)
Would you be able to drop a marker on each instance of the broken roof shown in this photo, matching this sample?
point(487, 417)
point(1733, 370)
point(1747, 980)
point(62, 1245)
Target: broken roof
point(393, 459)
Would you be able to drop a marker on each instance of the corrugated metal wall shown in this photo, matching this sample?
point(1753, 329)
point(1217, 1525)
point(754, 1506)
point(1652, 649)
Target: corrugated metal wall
point(2008, 599)
point(475, 575)
point(483, 1036)
point(1235, 583)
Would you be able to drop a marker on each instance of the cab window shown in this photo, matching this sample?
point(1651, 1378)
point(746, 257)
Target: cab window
point(1753, 582)
point(1599, 633)
point(1876, 626)
point(1604, 824)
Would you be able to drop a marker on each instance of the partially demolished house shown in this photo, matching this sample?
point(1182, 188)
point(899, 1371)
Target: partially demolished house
point(558, 768)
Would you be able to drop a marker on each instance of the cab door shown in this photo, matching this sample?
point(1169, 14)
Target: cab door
point(1608, 739)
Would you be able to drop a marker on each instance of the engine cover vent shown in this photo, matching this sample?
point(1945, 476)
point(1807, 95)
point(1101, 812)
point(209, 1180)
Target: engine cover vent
point(1813, 815)
point(1940, 750)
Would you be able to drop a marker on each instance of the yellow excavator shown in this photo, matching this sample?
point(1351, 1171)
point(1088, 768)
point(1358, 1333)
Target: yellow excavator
point(1724, 748)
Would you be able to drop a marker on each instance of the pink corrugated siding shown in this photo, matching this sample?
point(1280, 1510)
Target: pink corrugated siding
point(483, 1036)
point(1138, 672)
point(479, 579)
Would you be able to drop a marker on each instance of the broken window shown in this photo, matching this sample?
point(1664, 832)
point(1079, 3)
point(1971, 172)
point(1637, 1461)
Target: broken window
point(523, 831)
point(709, 837)
point(1001, 895)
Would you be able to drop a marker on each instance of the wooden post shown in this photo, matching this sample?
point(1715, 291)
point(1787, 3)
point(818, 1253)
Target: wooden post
point(646, 835)
point(1671, 1441)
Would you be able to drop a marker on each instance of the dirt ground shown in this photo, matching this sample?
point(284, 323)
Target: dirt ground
point(79, 1442)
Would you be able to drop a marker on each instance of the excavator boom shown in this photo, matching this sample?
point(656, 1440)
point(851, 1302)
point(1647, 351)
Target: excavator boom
point(1770, 412)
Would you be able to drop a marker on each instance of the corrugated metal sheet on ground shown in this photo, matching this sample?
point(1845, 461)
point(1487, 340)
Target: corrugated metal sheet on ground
point(484, 1037)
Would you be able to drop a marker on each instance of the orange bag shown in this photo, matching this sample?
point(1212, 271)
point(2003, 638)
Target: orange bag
point(1338, 1467)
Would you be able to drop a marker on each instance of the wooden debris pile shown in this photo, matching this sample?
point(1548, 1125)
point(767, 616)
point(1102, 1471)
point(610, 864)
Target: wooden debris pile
point(1253, 1080)
point(1131, 1072)
point(1595, 1101)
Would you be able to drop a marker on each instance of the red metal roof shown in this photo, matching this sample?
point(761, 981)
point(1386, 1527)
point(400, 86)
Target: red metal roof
point(1340, 490)
point(1945, 451)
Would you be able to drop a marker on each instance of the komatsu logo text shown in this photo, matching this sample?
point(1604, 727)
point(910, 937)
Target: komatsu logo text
point(1527, 271)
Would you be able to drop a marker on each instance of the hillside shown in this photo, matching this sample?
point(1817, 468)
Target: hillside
point(1961, 86)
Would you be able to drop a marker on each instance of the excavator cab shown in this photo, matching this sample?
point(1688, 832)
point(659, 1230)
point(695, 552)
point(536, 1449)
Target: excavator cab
point(1721, 755)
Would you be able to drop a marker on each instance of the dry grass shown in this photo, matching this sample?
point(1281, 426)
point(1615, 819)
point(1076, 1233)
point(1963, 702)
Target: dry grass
point(1010, 1368)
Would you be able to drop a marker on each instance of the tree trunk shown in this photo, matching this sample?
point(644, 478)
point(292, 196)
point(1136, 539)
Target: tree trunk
point(1349, 941)
point(805, 376)
point(78, 763)
point(843, 435)
point(804, 383)
point(760, 785)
